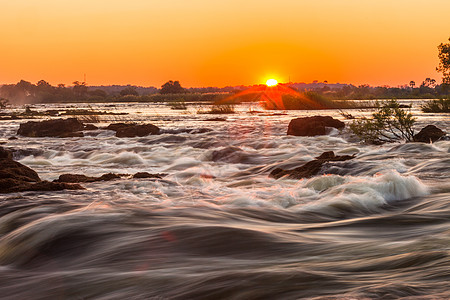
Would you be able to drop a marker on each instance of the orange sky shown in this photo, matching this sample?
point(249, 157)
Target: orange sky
point(220, 43)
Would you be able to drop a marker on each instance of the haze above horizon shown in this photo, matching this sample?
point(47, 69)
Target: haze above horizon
point(221, 43)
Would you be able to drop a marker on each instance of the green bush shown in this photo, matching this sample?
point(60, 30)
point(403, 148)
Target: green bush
point(389, 123)
point(436, 106)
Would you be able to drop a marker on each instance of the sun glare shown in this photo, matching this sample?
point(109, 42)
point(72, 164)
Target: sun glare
point(271, 82)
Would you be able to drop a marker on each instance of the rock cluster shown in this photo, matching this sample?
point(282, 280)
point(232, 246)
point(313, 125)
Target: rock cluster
point(72, 127)
point(61, 128)
point(15, 177)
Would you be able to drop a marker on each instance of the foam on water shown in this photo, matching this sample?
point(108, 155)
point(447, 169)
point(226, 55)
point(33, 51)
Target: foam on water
point(217, 225)
point(366, 194)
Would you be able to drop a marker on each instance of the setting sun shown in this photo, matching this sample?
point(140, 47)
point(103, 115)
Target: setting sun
point(271, 82)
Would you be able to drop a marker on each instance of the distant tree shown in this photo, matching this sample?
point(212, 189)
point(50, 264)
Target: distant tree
point(79, 89)
point(129, 91)
point(412, 84)
point(172, 87)
point(429, 82)
point(444, 62)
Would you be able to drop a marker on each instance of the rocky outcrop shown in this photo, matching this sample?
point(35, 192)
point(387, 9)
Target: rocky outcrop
point(15, 177)
point(429, 134)
point(79, 178)
point(133, 130)
point(311, 126)
point(61, 128)
point(311, 168)
point(148, 175)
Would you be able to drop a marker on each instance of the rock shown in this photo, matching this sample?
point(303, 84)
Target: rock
point(429, 134)
point(89, 127)
point(110, 176)
point(148, 175)
point(47, 186)
point(311, 126)
point(15, 177)
point(74, 178)
point(133, 130)
point(12, 138)
point(117, 126)
point(52, 128)
point(5, 154)
point(79, 178)
point(309, 169)
point(14, 170)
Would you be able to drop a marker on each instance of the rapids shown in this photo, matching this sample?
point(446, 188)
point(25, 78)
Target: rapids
point(217, 226)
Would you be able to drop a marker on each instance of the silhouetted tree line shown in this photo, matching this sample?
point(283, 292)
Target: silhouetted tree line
point(428, 89)
point(43, 92)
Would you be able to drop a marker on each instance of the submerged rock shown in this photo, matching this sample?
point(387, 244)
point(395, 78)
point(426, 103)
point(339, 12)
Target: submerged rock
point(311, 168)
point(148, 175)
point(311, 126)
point(133, 130)
point(429, 134)
point(61, 128)
point(79, 178)
point(15, 177)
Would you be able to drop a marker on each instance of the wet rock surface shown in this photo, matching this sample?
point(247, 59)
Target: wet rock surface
point(310, 168)
point(15, 177)
point(133, 129)
point(429, 134)
point(311, 126)
point(61, 128)
point(79, 178)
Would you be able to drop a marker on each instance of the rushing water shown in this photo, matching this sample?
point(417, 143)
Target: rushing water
point(217, 227)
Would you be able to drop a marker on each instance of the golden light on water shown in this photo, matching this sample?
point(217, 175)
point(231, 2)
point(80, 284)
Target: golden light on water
point(271, 82)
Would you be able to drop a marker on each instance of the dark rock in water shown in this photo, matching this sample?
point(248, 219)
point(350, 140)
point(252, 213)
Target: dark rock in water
point(47, 186)
point(5, 153)
point(148, 175)
point(133, 130)
point(311, 126)
point(12, 138)
point(74, 178)
point(15, 177)
point(110, 176)
point(10, 169)
point(89, 127)
point(311, 168)
point(79, 178)
point(52, 128)
point(429, 134)
point(228, 154)
point(117, 126)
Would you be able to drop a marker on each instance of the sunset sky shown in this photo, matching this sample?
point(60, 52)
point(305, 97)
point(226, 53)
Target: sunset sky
point(221, 43)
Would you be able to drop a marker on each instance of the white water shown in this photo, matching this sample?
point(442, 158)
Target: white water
point(217, 226)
